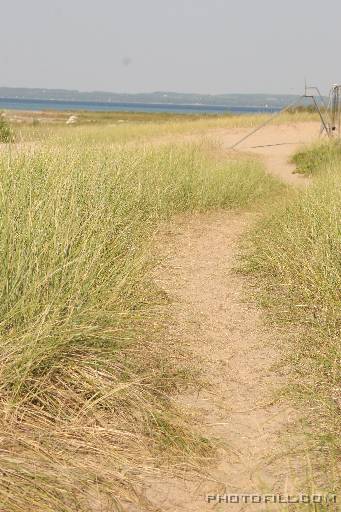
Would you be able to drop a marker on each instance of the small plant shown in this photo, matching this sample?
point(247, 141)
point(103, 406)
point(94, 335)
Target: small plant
point(312, 160)
point(6, 134)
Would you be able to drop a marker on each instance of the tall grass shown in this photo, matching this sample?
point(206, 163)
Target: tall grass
point(295, 257)
point(133, 129)
point(87, 366)
point(6, 134)
point(310, 161)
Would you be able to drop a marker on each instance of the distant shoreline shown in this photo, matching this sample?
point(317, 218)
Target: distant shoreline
point(131, 106)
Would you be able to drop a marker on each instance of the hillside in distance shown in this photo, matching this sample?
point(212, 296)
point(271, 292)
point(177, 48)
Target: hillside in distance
point(229, 100)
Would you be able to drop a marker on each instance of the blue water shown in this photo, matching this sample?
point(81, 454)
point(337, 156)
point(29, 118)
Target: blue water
point(23, 104)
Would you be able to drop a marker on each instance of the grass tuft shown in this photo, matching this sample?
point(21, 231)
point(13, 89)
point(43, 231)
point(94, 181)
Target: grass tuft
point(311, 161)
point(6, 134)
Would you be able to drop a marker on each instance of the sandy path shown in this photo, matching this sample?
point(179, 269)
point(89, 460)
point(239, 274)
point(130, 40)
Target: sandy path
point(275, 145)
point(227, 332)
point(211, 311)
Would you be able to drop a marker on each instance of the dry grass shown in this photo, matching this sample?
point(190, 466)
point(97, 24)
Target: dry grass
point(139, 128)
point(87, 365)
point(295, 259)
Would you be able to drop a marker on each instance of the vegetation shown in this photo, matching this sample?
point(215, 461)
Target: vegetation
point(295, 259)
point(107, 117)
point(121, 127)
point(300, 109)
point(310, 161)
point(5, 130)
point(87, 362)
point(86, 117)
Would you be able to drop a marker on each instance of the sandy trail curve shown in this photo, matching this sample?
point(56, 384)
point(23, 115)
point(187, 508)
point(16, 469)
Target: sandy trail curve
point(211, 311)
point(275, 145)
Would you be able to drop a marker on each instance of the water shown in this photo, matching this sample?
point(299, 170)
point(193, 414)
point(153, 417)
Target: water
point(28, 104)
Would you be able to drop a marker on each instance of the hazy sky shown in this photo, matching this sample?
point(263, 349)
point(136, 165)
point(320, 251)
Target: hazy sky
point(207, 46)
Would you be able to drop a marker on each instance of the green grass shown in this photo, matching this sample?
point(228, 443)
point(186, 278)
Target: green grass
point(295, 258)
point(309, 161)
point(6, 134)
point(87, 117)
point(87, 363)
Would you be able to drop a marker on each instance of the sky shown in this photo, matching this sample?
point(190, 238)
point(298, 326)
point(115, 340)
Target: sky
point(203, 46)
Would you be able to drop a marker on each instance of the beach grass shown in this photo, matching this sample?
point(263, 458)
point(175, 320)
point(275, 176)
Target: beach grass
point(119, 128)
point(321, 155)
point(294, 257)
point(88, 364)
